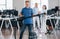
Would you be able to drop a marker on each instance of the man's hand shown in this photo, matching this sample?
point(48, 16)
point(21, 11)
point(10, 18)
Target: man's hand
point(39, 12)
point(21, 15)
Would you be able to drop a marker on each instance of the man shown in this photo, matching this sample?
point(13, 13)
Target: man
point(26, 12)
point(36, 19)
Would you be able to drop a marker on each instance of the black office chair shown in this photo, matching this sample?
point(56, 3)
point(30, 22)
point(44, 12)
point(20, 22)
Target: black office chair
point(0, 14)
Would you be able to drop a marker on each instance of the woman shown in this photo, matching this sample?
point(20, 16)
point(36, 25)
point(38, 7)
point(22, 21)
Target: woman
point(43, 19)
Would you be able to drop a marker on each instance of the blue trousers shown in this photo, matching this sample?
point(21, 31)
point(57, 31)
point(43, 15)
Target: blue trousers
point(30, 28)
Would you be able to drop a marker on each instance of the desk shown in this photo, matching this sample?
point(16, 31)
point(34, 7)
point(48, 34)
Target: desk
point(55, 17)
point(4, 19)
point(9, 20)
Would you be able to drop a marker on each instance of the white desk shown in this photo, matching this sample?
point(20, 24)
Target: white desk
point(9, 19)
point(4, 19)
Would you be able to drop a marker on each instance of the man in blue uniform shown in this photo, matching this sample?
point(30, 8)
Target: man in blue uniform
point(26, 12)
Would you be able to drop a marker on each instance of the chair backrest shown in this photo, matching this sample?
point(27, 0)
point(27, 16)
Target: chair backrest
point(50, 12)
point(9, 12)
point(15, 12)
point(0, 12)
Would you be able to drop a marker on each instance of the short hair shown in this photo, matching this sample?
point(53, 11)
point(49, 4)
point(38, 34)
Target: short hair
point(36, 3)
point(26, 1)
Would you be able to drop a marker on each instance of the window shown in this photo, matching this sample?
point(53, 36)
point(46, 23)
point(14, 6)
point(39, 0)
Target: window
point(2, 1)
point(6, 4)
point(2, 4)
point(9, 4)
point(40, 3)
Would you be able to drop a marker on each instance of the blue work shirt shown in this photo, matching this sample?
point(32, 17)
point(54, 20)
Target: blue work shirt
point(26, 12)
point(35, 11)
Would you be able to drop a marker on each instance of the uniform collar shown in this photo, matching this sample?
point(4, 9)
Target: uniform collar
point(27, 8)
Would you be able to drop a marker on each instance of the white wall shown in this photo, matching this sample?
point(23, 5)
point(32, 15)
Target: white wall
point(53, 3)
point(18, 4)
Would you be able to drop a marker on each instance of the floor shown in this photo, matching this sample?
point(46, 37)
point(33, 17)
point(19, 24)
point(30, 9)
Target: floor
point(9, 34)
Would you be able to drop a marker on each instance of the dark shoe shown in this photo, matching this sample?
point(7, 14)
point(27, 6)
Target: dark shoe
point(46, 33)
